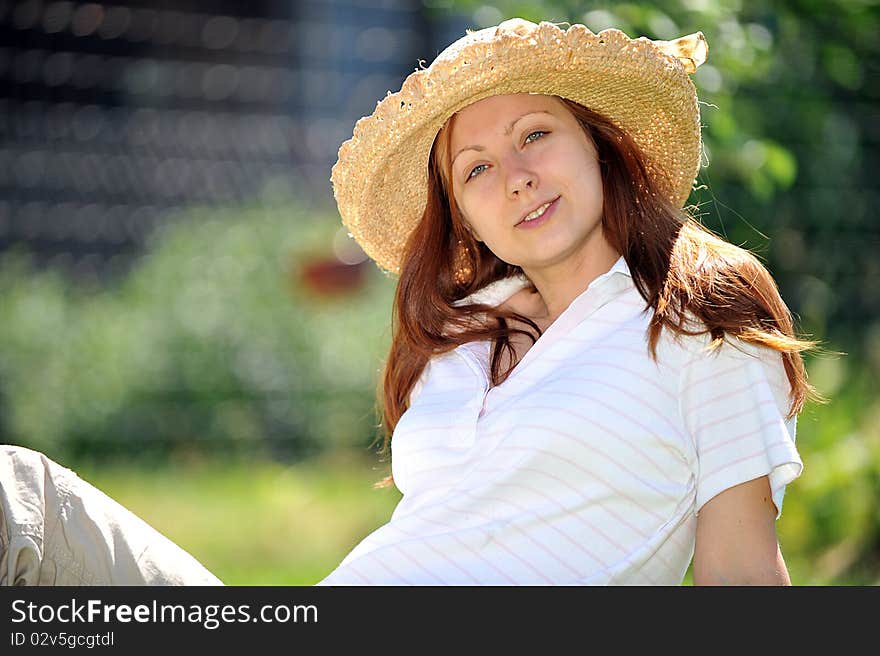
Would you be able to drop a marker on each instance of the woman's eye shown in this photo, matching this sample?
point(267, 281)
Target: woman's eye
point(542, 132)
point(471, 174)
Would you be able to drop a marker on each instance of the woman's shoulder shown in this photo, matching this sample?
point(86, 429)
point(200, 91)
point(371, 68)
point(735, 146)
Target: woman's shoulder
point(698, 343)
point(698, 349)
point(711, 360)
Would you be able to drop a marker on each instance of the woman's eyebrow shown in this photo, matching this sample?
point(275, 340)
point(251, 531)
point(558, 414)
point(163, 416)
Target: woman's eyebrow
point(507, 132)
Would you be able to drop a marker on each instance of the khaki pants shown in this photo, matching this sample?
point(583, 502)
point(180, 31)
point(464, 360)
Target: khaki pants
point(56, 529)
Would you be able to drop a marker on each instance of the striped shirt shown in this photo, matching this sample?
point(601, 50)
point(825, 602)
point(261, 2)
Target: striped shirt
point(588, 464)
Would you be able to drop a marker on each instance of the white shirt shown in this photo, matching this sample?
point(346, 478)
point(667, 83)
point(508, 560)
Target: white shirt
point(588, 465)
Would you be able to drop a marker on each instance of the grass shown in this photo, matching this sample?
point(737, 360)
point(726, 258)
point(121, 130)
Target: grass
point(256, 523)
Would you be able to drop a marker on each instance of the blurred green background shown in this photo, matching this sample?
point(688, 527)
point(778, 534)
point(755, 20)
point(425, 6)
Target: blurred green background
point(223, 388)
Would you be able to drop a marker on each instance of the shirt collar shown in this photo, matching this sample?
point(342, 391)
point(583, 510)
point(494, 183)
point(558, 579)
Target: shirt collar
point(495, 293)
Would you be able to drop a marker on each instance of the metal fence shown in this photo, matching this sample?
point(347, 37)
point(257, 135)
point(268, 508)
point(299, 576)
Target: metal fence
point(114, 116)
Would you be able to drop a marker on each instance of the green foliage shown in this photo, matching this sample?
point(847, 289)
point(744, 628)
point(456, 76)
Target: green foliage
point(210, 343)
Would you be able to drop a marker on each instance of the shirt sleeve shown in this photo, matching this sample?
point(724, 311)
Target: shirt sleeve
point(734, 401)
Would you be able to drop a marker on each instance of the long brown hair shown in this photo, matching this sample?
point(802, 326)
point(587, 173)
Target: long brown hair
point(694, 281)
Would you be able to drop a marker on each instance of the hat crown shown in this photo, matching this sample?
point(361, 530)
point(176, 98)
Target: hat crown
point(516, 25)
point(690, 50)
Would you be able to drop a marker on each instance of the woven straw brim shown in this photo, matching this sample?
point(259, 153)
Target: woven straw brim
point(380, 178)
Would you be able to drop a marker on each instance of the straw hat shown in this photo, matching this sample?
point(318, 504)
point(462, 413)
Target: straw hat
point(380, 180)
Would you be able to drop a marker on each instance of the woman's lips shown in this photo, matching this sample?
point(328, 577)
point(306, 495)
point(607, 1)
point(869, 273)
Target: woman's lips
point(541, 220)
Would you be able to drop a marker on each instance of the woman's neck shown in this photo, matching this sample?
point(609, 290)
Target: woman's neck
point(558, 286)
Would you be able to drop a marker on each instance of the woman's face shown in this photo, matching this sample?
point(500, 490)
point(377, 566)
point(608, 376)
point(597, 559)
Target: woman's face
point(513, 154)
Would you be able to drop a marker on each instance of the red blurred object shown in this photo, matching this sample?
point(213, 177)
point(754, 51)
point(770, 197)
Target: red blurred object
point(330, 277)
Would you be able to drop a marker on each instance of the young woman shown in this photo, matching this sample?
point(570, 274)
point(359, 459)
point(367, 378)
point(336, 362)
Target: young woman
point(584, 385)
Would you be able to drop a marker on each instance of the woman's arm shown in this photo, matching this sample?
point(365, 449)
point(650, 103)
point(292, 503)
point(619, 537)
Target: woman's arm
point(736, 541)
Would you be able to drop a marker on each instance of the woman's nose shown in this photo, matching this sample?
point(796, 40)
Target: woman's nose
point(520, 179)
